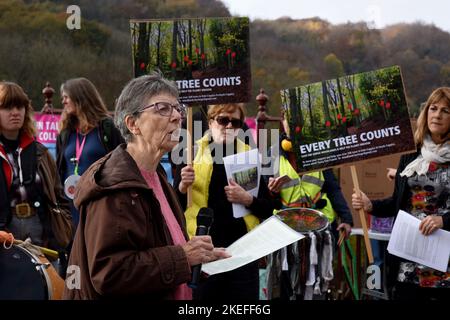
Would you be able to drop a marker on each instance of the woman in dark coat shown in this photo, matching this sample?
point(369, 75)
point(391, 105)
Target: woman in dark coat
point(131, 240)
point(422, 188)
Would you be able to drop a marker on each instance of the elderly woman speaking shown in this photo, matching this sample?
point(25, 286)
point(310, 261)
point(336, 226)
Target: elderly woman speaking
point(131, 240)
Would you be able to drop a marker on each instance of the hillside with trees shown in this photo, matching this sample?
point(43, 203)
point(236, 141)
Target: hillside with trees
point(36, 47)
point(295, 52)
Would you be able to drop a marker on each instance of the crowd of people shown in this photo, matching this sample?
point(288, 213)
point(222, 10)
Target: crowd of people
point(106, 206)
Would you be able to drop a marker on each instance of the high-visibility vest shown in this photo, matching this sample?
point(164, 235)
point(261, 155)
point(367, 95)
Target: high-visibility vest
point(304, 191)
point(203, 167)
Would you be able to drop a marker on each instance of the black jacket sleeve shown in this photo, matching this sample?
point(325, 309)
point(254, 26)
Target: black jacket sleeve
point(4, 201)
point(263, 205)
point(446, 219)
point(333, 190)
point(60, 144)
point(114, 137)
point(389, 207)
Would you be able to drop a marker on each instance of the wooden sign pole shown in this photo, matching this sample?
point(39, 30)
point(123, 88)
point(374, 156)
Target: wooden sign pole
point(362, 216)
point(189, 151)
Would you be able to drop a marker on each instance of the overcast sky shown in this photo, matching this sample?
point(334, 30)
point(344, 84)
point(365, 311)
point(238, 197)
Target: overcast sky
point(378, 12)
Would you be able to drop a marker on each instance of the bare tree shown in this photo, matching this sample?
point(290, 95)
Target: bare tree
point(326, 109)
point(158, 46)
point(174, 47)
point(309, 104)
point(143, 48)
point(350, 85)
point(201, 29)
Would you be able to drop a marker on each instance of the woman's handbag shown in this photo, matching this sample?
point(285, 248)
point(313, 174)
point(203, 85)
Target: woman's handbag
point(61, 223)
point(57, 206)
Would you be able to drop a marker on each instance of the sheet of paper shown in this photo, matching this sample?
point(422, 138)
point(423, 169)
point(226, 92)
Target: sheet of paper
point(269, 236)
point(407, 242)
point(245, 169)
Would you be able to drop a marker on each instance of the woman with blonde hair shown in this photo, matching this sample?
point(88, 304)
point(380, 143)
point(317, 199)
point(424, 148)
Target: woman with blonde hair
point(422, 188)
point(87, 133)
point(211, 188)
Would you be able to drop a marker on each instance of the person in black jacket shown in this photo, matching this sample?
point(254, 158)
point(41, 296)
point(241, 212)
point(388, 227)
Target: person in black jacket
point(87, 133)
point(211, 188)
point(422, 188)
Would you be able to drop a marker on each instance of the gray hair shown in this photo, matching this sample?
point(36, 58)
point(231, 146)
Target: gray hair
point(136, 93)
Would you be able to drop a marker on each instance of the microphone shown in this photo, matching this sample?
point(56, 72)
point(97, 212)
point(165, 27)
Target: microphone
point(205, 219)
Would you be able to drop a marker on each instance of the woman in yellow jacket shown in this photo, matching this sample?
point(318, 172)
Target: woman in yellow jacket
point(211, 188)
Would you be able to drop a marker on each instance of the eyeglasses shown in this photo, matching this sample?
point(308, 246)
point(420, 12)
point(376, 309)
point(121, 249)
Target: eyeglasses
point(224, 121)
point(165, 109)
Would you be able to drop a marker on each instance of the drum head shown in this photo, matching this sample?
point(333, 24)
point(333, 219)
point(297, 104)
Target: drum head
point(20, 278)
point(304, 220)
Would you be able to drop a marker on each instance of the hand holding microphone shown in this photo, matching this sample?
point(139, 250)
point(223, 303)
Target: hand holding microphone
point(200, 248)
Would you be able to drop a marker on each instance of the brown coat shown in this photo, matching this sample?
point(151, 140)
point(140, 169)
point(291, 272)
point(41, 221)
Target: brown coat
point(122, 245)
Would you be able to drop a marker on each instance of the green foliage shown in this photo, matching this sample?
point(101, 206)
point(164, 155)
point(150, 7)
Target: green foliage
point(37, 47)
point(381, 88)
point(333, 66)
point(315, 47)
point(338, 106)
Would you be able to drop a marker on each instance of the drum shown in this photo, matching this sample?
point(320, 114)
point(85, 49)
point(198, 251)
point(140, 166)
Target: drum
point(304, 220)
point(25, 276)
point(303, 268)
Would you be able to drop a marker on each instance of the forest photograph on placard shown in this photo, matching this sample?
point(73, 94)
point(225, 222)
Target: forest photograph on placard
point(209, 58)
point(348, 119)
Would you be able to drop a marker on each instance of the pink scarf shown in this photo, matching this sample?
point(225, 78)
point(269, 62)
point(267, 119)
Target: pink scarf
point(182, 292)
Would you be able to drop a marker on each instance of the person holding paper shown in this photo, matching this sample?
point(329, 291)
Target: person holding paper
point(422, 188)
point(211, 188)
point(131, 241)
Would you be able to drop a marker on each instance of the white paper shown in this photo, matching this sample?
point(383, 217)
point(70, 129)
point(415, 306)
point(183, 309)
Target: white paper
point(237, 167)
point(409, 243)
point(269, 236)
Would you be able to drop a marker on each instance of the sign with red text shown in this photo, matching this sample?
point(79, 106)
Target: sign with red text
point(208, 58)
point(348, 119)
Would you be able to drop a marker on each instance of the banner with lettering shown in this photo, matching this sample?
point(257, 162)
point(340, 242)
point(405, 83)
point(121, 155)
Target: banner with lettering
point(348, 119)
point(209, 58)
point(47, 130)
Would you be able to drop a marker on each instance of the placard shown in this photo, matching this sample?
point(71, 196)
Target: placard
point(348, 119)
point(47, 130)
point(209, 58)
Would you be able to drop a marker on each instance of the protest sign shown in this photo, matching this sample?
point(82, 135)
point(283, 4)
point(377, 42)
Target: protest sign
point(47, 130)
point(209, 58)
point(348, 119)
